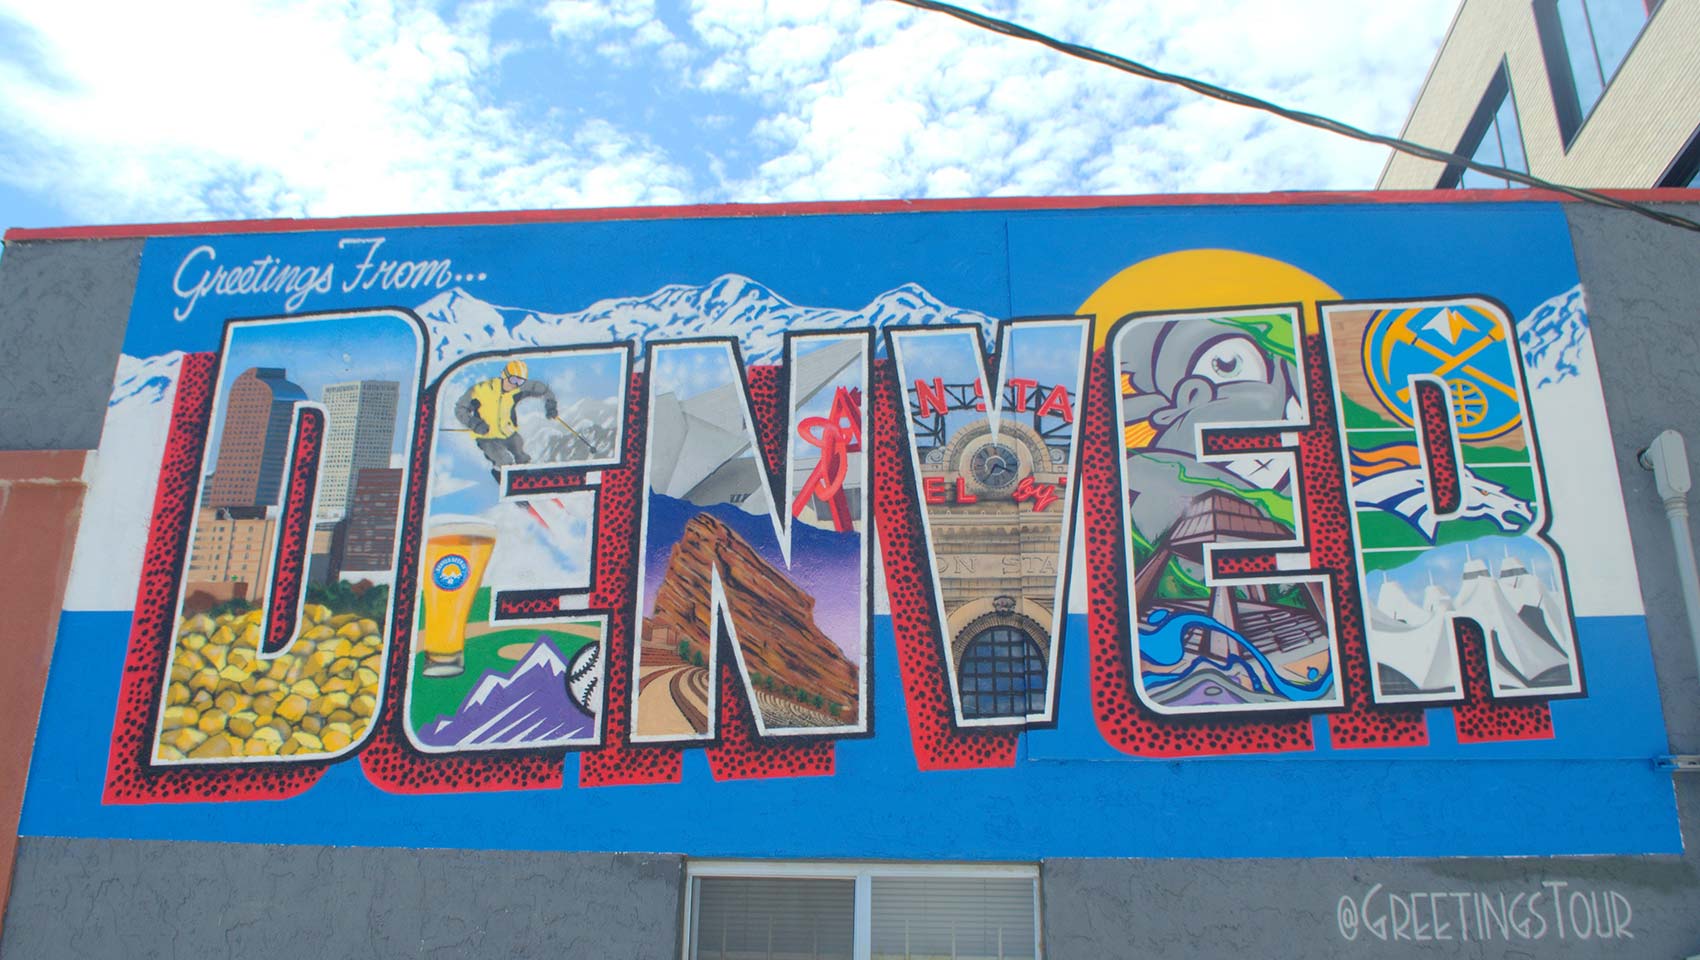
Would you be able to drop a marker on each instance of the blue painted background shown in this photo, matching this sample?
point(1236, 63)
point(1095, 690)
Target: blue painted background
point(1592, 790)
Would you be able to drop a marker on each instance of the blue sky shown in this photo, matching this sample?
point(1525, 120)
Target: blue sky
point(345, 107)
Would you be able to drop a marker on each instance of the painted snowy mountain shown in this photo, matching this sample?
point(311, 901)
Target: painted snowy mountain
point(1554, 338)
point(121, 476)
point(730, 306)
point(594, 431)
point(529, 705)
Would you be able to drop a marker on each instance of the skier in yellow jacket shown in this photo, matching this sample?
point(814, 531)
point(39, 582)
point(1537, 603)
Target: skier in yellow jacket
point(487, 409)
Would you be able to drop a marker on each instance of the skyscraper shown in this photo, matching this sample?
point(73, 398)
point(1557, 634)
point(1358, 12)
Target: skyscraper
point(372, 515)
point(253, 446)
point(358, 436)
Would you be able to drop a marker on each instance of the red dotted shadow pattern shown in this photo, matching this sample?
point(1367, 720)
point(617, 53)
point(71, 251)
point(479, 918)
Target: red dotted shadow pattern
point(1328, 530)
point(1482, 719)
point(938, 743)
point(521, 604)
point(619, 761)
point(546, 480)
point(390, 760)
point(1445, 487)
point(1245, 564)
point(130, 777)
point(295, 527)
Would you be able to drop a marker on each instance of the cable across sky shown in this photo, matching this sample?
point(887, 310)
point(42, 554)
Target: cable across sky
point(1308, 119)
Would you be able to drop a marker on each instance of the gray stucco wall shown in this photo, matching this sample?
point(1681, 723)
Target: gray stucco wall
point(61, 325)
point(135, 900)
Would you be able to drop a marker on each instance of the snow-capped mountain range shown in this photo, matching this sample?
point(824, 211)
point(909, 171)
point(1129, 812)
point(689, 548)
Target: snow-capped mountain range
point(728, 306)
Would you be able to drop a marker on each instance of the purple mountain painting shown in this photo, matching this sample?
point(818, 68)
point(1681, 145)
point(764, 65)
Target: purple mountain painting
point(530, 704)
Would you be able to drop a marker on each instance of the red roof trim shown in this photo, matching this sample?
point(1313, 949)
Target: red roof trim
point(818, 208)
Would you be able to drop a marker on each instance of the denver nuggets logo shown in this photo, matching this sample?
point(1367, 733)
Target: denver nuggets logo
point(1464, 346)
point(450, 572)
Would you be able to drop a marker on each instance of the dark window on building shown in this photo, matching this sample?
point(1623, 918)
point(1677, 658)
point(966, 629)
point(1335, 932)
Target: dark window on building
point(1493, 136)
point(747, 917)
point(1684, 171)
point(840, 911)
point(1003, 675)
point(1584, 43)
point(967, 918)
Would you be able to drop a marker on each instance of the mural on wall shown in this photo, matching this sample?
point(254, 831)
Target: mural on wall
point(786, 577)
point(476, 680)
point(277, 653)
point(1172, 501)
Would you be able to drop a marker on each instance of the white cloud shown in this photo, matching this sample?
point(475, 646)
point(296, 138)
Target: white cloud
point(445, 483)
point(620, 30)
point(876, 101)
point(322, 108)
point(334, 107)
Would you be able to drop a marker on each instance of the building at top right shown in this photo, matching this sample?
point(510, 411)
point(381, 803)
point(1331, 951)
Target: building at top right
point(1591, 93)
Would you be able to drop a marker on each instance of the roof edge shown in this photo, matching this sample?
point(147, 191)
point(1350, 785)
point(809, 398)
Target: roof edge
point(822, 208)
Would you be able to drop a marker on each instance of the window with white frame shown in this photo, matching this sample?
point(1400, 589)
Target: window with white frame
point(846, 911)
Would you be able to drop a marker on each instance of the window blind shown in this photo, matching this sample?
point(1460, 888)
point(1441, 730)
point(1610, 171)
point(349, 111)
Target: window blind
point(941, 918)
point(748, 918)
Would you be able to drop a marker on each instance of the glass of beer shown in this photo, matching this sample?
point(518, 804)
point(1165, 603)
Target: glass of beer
point(456, 555)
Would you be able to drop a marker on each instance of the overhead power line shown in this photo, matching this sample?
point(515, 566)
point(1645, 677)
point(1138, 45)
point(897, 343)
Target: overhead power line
point(1297, 116)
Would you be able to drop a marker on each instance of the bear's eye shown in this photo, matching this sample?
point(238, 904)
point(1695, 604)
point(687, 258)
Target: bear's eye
point(1231, 359)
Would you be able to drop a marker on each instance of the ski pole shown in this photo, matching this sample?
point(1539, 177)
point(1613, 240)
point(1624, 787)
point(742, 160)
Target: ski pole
point(581, 437)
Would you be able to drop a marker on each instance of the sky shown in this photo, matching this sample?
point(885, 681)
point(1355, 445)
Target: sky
point(125, 112)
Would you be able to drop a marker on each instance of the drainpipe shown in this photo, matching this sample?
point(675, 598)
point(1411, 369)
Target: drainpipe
point(1667, 457)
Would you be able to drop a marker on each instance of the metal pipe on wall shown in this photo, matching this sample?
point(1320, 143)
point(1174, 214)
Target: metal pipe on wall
point(1667, 457)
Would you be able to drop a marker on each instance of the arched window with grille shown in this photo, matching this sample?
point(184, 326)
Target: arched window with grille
point(1002, 675)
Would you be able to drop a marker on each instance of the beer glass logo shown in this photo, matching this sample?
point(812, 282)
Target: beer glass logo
point(450, 572)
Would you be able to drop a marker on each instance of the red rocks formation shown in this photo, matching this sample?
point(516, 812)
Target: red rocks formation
point(784, 650)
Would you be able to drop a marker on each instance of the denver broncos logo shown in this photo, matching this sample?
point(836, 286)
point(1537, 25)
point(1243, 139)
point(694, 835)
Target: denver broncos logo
point(1392, 478)
point(1380, 460)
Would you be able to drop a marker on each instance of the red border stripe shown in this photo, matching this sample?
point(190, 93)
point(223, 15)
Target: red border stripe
point(822, 208)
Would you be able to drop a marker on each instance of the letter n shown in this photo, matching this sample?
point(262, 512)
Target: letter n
point(754, 547)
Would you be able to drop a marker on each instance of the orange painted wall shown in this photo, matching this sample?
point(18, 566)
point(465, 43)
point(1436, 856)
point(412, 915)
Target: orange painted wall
point(41, 496)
